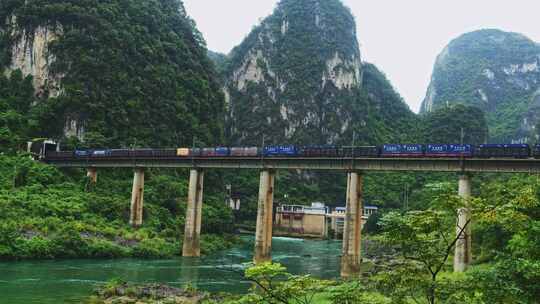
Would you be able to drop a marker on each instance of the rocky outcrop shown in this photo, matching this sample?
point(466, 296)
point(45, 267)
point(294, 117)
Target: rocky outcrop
point(496, 71)
point(30, 53)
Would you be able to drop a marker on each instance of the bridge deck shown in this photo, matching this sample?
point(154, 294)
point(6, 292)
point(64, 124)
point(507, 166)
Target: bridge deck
point(509, 165)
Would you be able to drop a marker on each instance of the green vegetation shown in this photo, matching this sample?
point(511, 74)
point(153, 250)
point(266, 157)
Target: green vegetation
point(486, 69)
point(133, 72)
point(445, 124)
point(45, 213)
point(310, 87)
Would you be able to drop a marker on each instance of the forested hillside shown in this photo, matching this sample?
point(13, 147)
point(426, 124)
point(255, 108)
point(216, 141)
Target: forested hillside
point(297, 78)
point(106, 74)
point(496, 71)
point(114, 73)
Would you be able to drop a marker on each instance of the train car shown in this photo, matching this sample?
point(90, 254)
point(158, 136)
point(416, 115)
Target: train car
point(119, 153)
point(458, 150)
point(398, 150)
point(142, 153)
point(164, 153)
point(223, 151)
point(82, 153)
point(182, 152)
point(273, 151)
point(503, 151)
point(319, 151)
point(536, 152)
point(367, 151)
point(58, 155)
point(215, 152)
point(445, 150)
point(244, 152)
point(195, 152)
point(100, 153)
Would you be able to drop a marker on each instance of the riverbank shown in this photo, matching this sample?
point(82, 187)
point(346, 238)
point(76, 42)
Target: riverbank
point(118, 292)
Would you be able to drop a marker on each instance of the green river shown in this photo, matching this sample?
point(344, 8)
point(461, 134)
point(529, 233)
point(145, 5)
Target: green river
point(70, 281)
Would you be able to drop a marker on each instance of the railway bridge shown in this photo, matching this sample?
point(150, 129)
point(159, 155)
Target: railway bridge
point(268, 166)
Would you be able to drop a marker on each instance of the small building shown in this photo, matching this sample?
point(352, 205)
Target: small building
point(298, 220)
point(315, 220)
point(337, 218)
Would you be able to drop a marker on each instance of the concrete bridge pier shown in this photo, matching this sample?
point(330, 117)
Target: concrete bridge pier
point(352, 230)
point(192, 230)
point(91, 173)
point(137, 197)
point(463, 250)
point(263, 233)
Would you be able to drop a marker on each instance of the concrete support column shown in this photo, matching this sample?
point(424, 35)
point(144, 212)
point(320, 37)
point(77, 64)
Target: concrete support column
point(192, 230)
point(263, 233)
point(463, 251)
point(91, 173)
point(137, 196)
point(352, 230)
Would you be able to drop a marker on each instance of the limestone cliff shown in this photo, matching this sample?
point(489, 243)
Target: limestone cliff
point(496, 71)
point(296, 77)
point(30, 54)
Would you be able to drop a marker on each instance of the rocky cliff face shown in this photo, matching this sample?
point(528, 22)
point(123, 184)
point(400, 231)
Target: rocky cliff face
point(31, 54)
point(496, 71)
point(296, 77)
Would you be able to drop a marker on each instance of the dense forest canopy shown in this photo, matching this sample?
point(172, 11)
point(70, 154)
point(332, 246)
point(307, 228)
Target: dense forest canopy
point(132, 72)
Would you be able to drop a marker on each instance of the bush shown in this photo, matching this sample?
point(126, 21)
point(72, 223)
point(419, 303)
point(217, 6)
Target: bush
point(100, 248)
point(156, 248)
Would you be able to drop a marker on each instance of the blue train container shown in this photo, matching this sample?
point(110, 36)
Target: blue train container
point(100, 153)
point(280, 151)
point(82, 153)
point(460, 150)
point(444, 150)
point(409, 150)
point(222, 151)
point(437, 150)
point(412, 150)
point(391, 150)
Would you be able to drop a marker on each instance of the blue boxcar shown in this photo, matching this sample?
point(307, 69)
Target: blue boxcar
point(100, 153)
point(389, 150)
point(412, 150)
point(222, 151)
point(460, 150)
point(280, 151)
point(437, 150)
point(395, 150)
point(82, 153)
point(444, 150)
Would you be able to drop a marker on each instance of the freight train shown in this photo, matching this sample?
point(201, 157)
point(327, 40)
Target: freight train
point(384, 151)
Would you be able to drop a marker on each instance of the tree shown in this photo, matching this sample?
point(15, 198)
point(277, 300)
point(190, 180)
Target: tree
point(274, 285)
point(425, 240)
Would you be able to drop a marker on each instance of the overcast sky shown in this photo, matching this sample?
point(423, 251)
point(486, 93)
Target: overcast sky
point(402, 37)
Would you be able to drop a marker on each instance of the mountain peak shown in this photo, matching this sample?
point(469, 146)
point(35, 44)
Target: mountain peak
point(494, 70)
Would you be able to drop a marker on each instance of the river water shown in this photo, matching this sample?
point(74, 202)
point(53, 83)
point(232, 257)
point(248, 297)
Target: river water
point(71, 281)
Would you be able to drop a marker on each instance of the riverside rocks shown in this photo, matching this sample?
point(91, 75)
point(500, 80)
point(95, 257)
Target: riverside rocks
point(124, 293)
